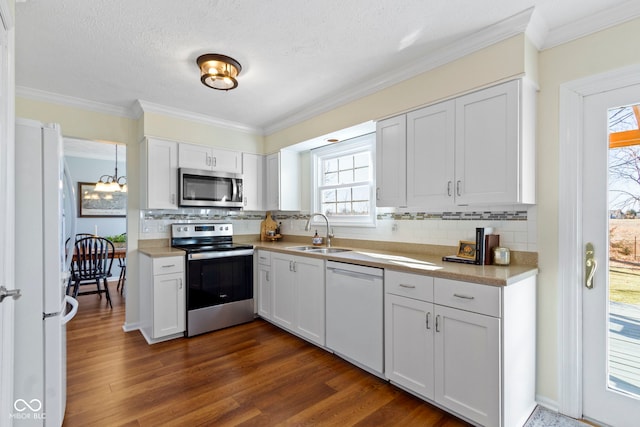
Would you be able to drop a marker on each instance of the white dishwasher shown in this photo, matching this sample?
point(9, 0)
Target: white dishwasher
point(354, 316)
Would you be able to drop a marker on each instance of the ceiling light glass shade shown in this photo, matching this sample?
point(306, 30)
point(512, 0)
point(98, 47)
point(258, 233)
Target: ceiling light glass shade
point(218, 71)
point(111, 184)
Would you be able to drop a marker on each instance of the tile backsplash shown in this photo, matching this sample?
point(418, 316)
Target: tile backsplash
point(517, 228)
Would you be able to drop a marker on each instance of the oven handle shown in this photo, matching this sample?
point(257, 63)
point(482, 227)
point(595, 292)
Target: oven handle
point(222, 254)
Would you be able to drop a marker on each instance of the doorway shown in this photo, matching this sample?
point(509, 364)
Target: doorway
point(101, 213)
point(591, 332)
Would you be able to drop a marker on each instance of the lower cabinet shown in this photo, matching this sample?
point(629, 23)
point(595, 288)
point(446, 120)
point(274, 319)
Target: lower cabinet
point(162, 298)
point(448, 342)
point(263, 284)
point(298, 300)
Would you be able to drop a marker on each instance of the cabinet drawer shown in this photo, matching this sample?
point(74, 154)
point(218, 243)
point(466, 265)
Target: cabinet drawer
point(264, 258)
point(166, 265)
point(483, 299)
point(408, 285)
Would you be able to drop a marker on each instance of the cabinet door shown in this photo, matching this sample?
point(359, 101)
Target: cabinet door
point(310, 298)
point(252, 181)
point(467, 364)
point(159, 174)
point(487, 146)
point(272, 182)
point(225, 160)
point(409, 353)
point(194, 156)
point(391, 160)
point(283, 291)
point(168, 304)
point(430, 154)
point(264, 291)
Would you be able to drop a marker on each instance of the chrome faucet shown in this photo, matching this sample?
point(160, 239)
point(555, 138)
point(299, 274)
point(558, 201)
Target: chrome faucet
point(329, 234)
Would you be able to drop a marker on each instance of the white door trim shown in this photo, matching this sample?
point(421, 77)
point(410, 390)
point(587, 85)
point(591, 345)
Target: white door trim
point(570, 232)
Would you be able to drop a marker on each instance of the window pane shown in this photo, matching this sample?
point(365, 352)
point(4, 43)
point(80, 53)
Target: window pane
point(346, 177)
point(330, 178)
point(328, 196)
point(329, 208)
point(361, 208)
point(344, 194)
point(344, 208)
point(361, 159)
point(346, 162)
point(330, 165)
point(361, 174)
point(361, 193)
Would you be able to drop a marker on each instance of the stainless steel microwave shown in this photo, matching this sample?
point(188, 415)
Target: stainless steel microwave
point(203, 188)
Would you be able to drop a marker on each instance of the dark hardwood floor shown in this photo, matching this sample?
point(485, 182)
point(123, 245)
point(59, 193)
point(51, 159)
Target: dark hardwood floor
point(250, 375)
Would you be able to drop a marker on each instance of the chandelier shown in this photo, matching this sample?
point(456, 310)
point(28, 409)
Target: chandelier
point(112, 183)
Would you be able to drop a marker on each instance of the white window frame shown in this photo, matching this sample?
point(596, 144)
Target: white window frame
point(353, 145)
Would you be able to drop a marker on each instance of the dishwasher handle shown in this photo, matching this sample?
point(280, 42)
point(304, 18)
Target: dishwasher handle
point(355, 274)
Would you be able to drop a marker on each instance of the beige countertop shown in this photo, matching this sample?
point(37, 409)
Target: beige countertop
point(412, 258)
point(421, 263)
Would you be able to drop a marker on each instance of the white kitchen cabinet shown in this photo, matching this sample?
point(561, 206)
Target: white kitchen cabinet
point(208, 158)
point(409, 332)
point(495, 158)
point(253, 178)
point(263, 284)
point(158, 174)
point(391, 161)
point(162, 298)
point(430, 155)
point(468, 347)
point(477, 149)
point(298, 300)
point(283, 181)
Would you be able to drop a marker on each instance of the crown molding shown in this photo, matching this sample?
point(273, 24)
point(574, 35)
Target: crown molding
point(599, 21)
point(70, 101)
point(141, 106)
point(485, 37)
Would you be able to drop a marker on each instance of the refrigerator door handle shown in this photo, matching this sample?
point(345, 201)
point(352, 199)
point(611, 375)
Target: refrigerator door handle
point(74, 309)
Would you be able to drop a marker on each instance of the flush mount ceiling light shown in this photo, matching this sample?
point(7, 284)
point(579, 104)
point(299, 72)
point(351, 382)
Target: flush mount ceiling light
point(110, 184)
point(218, 71)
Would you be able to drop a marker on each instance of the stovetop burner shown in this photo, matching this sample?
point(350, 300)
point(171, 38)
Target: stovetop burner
point(198, 238)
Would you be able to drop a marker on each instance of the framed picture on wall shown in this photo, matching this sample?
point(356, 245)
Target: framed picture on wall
point(99, 204)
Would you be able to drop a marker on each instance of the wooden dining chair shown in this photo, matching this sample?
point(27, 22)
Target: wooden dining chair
point(92, 261)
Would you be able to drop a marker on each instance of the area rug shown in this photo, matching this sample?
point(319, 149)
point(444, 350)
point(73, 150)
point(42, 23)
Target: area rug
point(543, 417)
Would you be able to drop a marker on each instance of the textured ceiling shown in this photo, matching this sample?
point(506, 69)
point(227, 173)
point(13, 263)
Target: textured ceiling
point(295, 54)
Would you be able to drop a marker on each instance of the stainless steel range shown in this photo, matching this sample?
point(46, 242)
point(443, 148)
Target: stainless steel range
point(219, 276)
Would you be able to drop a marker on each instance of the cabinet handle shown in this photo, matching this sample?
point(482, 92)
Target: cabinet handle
point(427, 321)
point(458, 187)
point(215, 162)
point(464, 296)
point(180, 281)
point(168, 266)
point(290, 265)
point(449, 188)
point(378, 193)
point(402, 285)
point(438, 323)
point(294, 267)
point(267, 276)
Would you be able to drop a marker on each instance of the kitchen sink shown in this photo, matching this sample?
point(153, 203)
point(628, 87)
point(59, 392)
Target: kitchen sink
point(317, 250)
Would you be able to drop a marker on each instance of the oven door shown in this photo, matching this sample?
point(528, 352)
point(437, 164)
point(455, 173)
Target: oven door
point(219, 279)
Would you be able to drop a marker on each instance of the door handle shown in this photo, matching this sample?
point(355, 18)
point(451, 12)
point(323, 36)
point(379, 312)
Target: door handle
point(591, 265)
point(5, 293)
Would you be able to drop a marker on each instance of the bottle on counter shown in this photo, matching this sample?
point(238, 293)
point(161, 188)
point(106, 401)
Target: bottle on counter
point(317, 240)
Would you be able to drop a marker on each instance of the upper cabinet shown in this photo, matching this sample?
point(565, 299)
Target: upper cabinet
point(158, 174)
point(391, 159)
point(283, 181)
point(253, 182)
point(478, 149)
point(208, 158)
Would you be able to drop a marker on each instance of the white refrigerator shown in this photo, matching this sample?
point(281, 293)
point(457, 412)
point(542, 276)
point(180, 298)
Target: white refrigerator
point(45, 218)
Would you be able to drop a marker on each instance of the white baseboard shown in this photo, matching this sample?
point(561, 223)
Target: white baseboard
point(130, 327)
point(550, 404)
